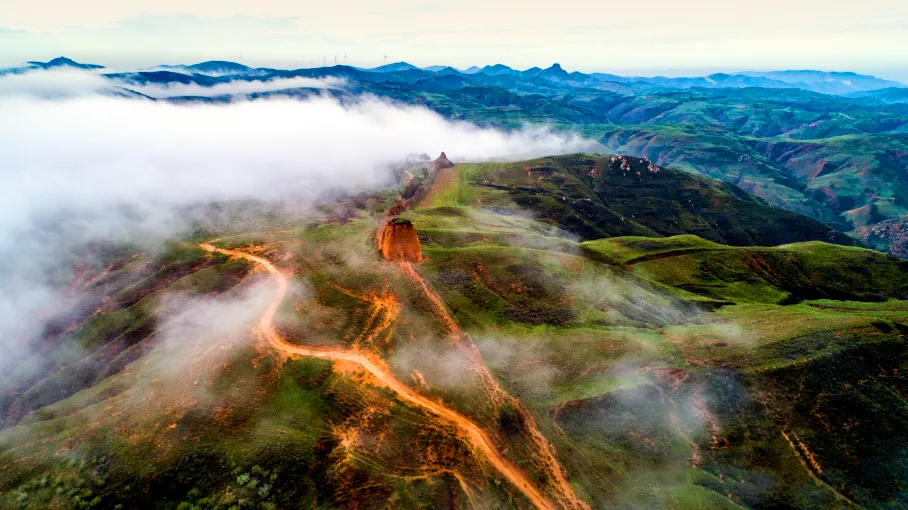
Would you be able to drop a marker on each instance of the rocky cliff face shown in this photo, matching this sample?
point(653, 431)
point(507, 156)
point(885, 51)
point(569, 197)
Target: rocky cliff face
point(398, 241)
point(889, 235)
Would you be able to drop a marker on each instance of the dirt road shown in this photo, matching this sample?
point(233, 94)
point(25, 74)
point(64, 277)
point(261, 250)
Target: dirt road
point(478, 437)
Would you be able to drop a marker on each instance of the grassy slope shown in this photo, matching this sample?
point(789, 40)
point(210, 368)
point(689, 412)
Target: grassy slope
point(783, 274)
point(663, 369)
point(594, 197)
point(838, 160)
point(214, 421)
point(587, 375)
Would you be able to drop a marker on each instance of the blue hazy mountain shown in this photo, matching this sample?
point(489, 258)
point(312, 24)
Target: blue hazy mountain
point(54, 64)
point(498, 69)
point(838, 83)
point(57, 63)
point(218, 67)
point(390, 68)
point(827, 82)
point(212, 68)
point(63, 62)
point(823, 144)
point(890, 95)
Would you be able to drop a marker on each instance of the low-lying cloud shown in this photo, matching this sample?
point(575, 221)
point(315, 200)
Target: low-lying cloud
point(80, 167)
point(69, 83)
point(160, 90)
point(52, 84)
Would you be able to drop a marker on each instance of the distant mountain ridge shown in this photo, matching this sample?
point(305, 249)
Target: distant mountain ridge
point(835, 83)
point(62, 62)
point(397, 66)
point(787, 137)
point(211, 67)
point(56, 63)
point(891, 95)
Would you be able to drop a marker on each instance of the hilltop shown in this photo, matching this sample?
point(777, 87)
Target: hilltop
point(560, 331)
point(605, 196)
point(63, 62)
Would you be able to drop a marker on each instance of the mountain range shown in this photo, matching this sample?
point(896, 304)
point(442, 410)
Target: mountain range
point(816, 81)
point(696, 315)
point(829, 145)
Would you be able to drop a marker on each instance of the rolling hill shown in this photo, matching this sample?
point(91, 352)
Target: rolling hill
point(598, 196)
point(570, 335)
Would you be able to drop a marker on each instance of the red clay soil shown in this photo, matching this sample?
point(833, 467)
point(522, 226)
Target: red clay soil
point(443, 180)
point(476, 435)
point(398, 241)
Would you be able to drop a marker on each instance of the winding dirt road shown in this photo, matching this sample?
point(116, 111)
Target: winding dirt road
point(545, 453)
point(478, 437)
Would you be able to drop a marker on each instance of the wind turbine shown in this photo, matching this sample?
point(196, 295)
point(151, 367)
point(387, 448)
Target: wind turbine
point(335, 59)
point(345, 58)
point(324, 60)
point(386, 60)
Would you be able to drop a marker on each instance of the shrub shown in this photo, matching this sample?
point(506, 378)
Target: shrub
point(509, 419)
point(556, 315)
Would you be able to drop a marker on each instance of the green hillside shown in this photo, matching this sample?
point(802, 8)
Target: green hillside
point(602, 196)
point(836, 159)
point(624, 337)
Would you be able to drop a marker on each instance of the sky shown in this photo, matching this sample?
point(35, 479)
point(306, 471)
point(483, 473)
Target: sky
point(656, 37)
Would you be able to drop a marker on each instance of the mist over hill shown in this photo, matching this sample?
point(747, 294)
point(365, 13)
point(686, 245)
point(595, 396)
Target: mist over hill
point(232, 287)
point(830, 145)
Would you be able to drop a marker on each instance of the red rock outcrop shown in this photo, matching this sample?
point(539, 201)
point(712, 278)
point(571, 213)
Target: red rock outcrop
point(398, 241)
point(442, 162)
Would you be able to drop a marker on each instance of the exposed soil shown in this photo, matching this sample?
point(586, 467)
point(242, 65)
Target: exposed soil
point(398, 241)
point(443, 180)
point(478, 437)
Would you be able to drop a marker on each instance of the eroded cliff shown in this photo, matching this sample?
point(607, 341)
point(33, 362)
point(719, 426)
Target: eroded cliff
point(398, 241)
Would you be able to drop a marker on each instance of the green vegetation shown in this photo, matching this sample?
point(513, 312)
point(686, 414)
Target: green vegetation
point(596, 196)
point(783, 274)
point(595, 382)
point(838, 160)
point(668, 367)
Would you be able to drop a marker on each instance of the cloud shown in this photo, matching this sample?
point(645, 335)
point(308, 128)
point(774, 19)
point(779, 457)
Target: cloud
point(91, 168)
point(51, 84)
point(446, 368)
point(159, 90)
point(69, 83)
point(190, 326)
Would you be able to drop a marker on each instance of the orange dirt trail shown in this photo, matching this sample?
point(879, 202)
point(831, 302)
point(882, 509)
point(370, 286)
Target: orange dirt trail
point(476, 435)
point(444, 179)
point(564, 494)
